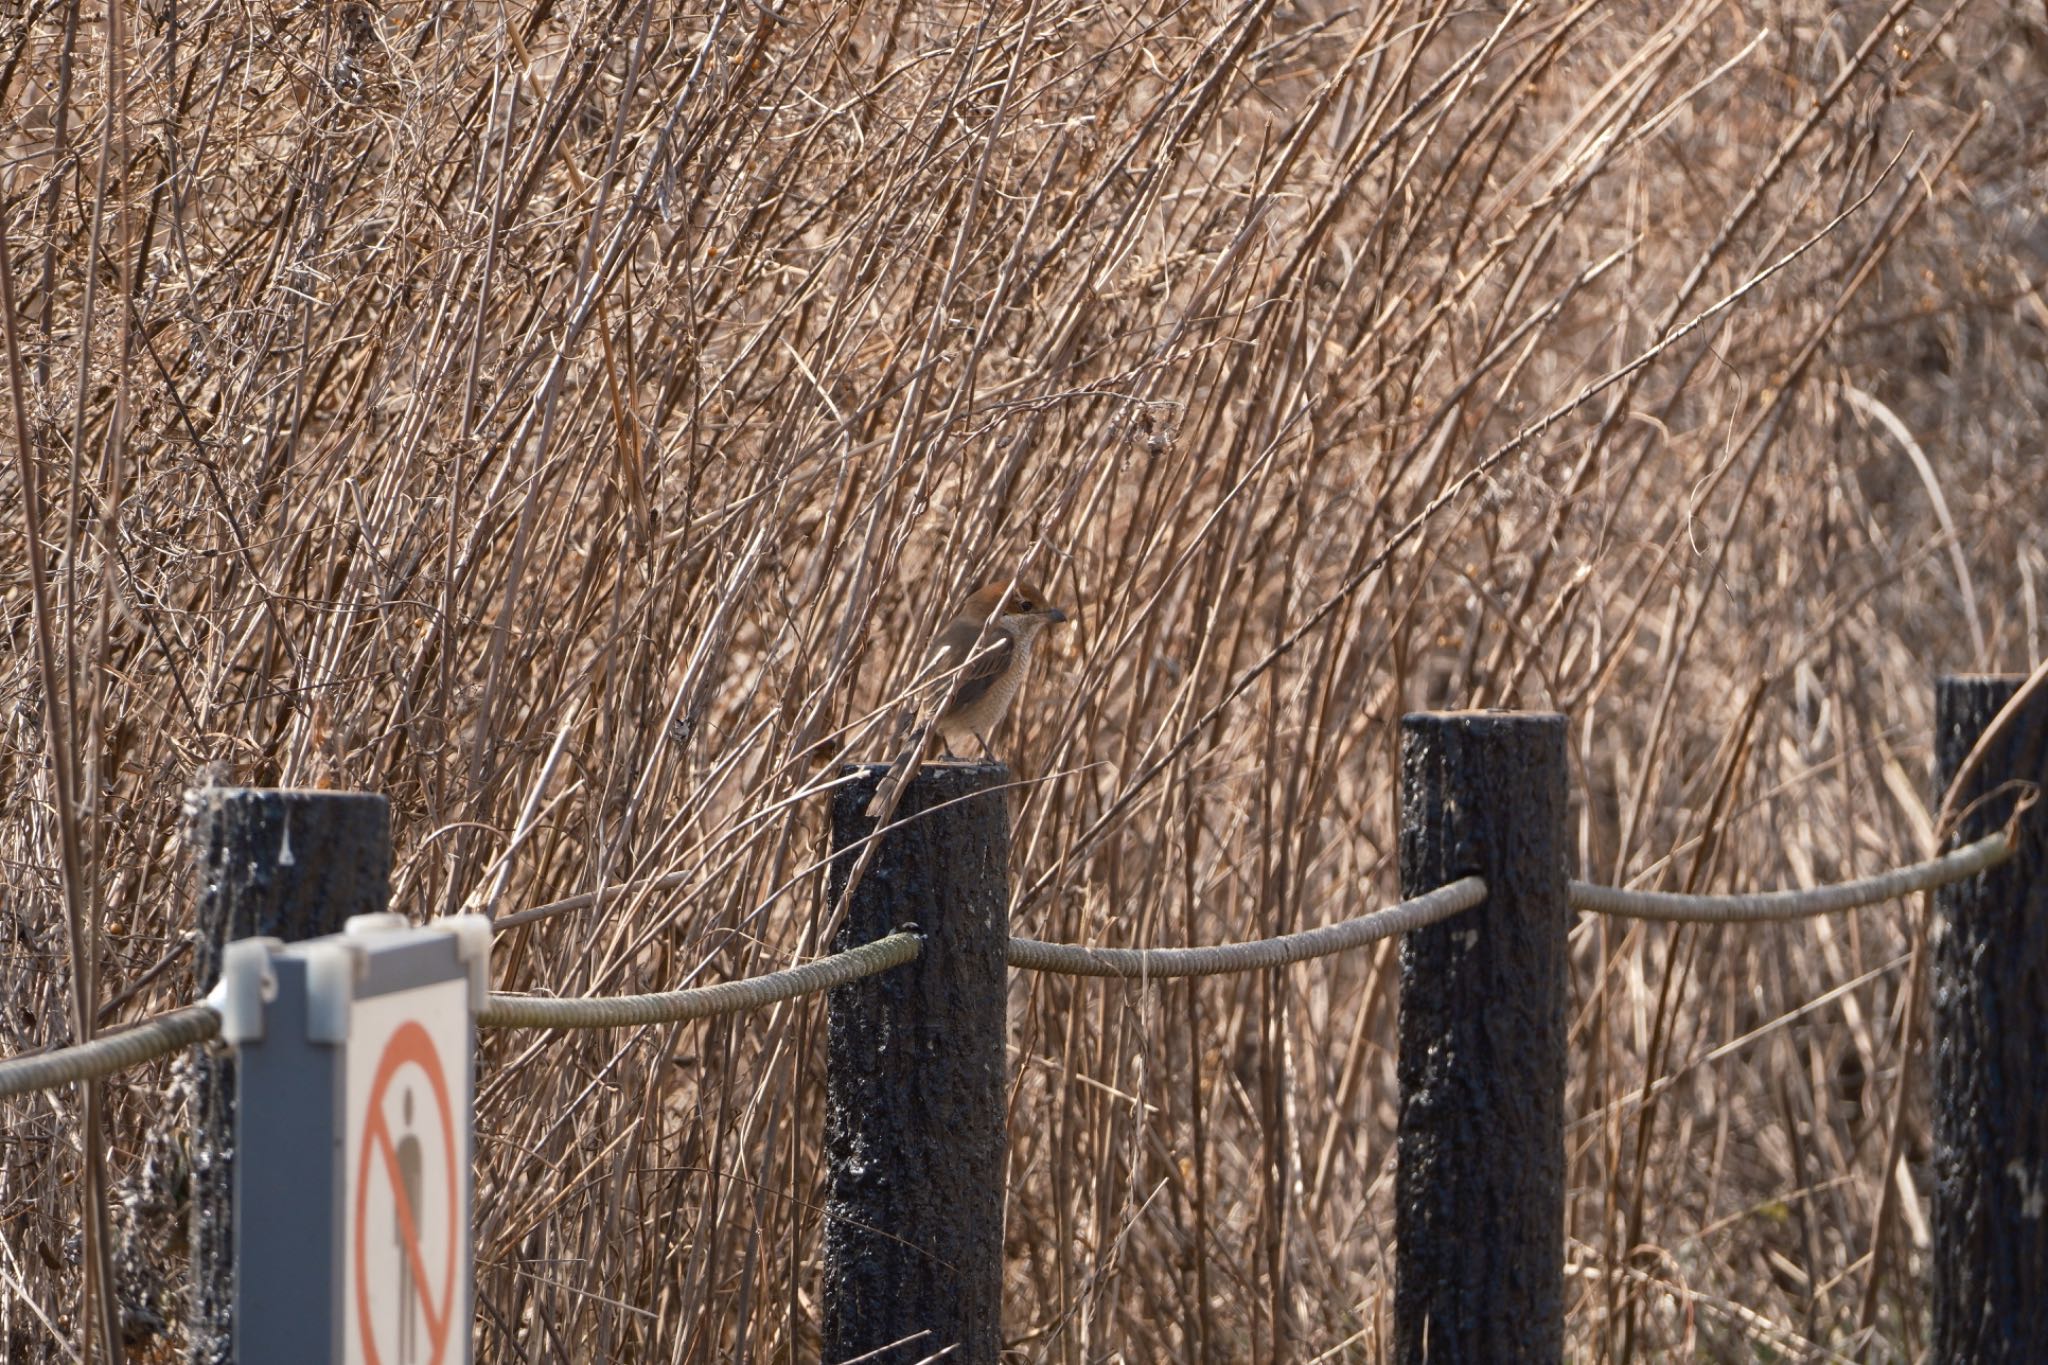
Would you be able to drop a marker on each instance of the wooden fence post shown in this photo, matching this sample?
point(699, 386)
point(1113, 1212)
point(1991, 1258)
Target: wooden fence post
point(1479, 1194)
point(1991, 1042)
point(915, 1144)
point(279, 864)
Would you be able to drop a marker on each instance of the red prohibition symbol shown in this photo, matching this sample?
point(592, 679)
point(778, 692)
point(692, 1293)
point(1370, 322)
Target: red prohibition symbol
point(409, 1044)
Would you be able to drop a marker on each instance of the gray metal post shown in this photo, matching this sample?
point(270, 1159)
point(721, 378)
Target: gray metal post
point(289, 865)
point(1479, 1194)
point(1991, 1042)
point(914, 1137)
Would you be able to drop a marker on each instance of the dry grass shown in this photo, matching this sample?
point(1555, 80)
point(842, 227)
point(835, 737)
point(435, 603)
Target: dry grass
point(571, 419)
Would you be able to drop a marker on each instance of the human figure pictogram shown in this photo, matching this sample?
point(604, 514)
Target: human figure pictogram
point(408, 1189)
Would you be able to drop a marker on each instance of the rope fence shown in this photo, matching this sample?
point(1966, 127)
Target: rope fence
point(148, 1040)
point(1073, 959)
point(1763, 906)
point(921, 1056)
point(727, 997)
point(166, 1033)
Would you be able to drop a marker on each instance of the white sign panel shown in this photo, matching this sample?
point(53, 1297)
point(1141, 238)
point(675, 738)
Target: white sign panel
point(406, 1264)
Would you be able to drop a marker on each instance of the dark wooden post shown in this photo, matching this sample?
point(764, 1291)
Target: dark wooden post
point(1479, 1194)
point(1991, 1042)
point(914, 1137)
point(281, 864)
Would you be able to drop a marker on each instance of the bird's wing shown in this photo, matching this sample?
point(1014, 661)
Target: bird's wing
point(957, 643)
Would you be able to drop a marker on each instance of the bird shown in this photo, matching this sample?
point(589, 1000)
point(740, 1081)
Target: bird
point(992, 635)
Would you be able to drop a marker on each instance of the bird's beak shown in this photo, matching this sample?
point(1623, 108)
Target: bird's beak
point(1054, 616)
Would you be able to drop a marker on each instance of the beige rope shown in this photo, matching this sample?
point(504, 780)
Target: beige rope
point(1073, 959)
point(539, 1011)
point(1966, 861)
point(147, 1041)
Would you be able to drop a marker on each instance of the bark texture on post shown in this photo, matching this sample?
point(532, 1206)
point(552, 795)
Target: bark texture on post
point(1991, 1044)
point(279, 864)
point(915, 1078)
point(1479, 1211)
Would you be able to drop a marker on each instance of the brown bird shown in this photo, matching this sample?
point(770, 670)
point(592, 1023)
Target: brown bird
point(992, 635)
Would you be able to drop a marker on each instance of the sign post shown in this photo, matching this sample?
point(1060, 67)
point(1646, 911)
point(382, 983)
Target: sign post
point(353, 1135)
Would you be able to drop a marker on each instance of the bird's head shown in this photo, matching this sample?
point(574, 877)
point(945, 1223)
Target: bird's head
point(1022, 608)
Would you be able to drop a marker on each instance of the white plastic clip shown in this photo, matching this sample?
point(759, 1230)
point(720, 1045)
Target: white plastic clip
point(247, 984)
point(381, 922)
point(330, 989)
point(473, 948)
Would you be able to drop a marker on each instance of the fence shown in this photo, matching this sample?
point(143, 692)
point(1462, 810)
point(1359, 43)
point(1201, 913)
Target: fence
point(914, 1136)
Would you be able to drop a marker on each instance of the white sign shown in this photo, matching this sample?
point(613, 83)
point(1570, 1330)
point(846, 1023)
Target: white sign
point(406, 1205)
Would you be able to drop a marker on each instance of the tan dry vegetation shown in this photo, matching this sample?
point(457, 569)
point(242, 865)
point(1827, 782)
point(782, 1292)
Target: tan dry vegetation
point(570, 419)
